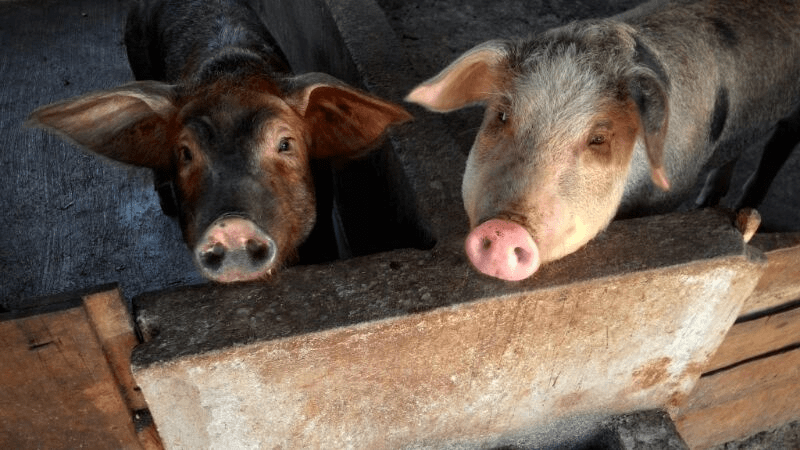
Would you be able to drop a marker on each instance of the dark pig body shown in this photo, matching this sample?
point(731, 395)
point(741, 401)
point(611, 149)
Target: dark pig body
point(618, 116)
point(227, 129)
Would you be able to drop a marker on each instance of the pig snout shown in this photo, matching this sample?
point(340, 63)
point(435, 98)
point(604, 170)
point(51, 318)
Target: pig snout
point(502, 249)
point(235, 249)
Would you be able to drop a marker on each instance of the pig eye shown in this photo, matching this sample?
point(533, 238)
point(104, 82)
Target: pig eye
point(597, 139)
point(185, 155)
point(285, 145)
point(502, 116)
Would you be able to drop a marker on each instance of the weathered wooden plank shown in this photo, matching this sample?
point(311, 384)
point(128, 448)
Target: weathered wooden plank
point(756, 337)
point(66, 377)
point(58, 390)
point(114, 328)
point(781, 280)
point(735, 403)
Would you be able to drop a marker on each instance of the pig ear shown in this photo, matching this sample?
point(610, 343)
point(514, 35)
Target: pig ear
point(127, 123)
point(651, 99)
point(471, 79)
point(344, 122)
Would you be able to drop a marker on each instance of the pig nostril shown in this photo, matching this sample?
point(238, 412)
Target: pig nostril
point(523, 256)
point(257, 250)
point(214, 256)
point(486, 243)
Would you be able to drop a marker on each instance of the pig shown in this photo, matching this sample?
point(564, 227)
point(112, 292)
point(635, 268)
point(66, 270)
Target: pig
point(227, 129)
point(617, 117)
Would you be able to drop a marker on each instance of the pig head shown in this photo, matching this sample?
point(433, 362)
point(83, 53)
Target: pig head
point(227, 129)
point(548, 168)
point(609, 116)
point(235, 152)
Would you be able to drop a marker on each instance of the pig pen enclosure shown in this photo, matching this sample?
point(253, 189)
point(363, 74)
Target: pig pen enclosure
point(385, 337)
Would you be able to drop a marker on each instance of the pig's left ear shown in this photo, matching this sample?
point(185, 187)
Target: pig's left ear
point(470, 79)
point(651, 99)
point(344, 122)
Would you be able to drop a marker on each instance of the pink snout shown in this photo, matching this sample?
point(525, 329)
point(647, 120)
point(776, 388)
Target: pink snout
point(235, 249)
point(502, 249)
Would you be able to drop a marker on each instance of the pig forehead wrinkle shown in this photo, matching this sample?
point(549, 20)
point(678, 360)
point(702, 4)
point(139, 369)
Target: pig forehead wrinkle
point(555, 93)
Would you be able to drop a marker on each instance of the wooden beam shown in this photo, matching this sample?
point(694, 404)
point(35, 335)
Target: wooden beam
point(66, 378)
point(114, 328)
point(780, 282)
point(732, 404)
point(58, 390)
point(756, 337)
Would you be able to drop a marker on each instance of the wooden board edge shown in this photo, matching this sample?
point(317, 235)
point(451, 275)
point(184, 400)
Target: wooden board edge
point(113, 325)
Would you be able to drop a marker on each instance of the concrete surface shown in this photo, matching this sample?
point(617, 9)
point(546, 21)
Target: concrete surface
point(644, 430)
point(415, 351)
point(71, 220)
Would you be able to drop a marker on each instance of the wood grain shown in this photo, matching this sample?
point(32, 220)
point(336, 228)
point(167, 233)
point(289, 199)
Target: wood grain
point(735, 403)
point(66, 378)
point(780, 283)
point(58, 391)
point(756, 337)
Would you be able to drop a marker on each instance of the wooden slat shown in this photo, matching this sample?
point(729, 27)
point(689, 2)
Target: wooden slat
point(65, 378)
point(746, 399)
point(58, 391)
point(114, 329)
point(756, 337)
point(780, 282)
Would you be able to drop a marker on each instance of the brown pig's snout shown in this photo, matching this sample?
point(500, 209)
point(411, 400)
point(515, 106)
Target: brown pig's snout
point(235, 249)
point(502, 249)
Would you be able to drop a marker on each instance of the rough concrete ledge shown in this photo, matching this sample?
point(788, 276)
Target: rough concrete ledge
point(305, 299)
point(413, 349)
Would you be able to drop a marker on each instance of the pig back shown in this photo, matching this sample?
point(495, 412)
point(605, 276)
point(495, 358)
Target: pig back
point(172, 40)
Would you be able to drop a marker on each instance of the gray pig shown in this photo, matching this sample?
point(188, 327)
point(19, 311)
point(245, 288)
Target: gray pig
point(617, 116)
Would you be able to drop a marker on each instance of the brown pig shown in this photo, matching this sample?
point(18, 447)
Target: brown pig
point(616, 116)
point(228, 131)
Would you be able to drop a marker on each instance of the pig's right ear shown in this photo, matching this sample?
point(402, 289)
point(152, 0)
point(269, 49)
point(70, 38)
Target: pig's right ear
point(126, 123)
point(650, 96)
point(470, 79)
